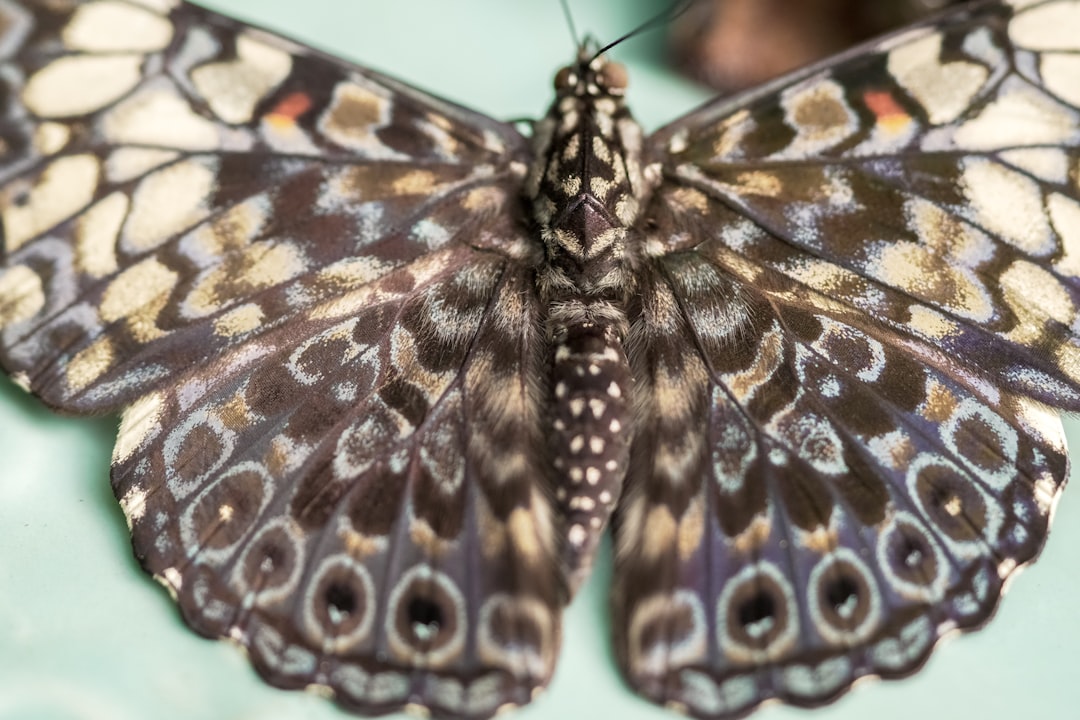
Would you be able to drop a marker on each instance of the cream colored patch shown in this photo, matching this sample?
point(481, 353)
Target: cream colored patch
point(822, 540)
point(353, 115)
point(759, 183)
point(272, 265)
point(770, 354)
point(524, 536)
point(66, 186)
point(362, 546)
point(733, 130)
point(755, 536)
point(80, 85)
point(822, 275)
point(1044, 420)
point(1026, 285)
point(135, 288)
point(233, 229)
point(893, 449)
point(1022, 117)
point(691, 529)
point(415, 182)
point(944, 90)
point(159, 117)
point(660, 535)
point(1008, 204)
point(689, 198)
point(947, 235)
point(819, 114)
point(51, 137)
point(420, 271)
point(1065, 217)
point(1068, 359)
point(21, 295)
point(134, 504)
point(167, 203)
point(128, 163)
point(1049, 164)
point(239, 320)
point(260, 266)
point(914, 269)
point(1061, 74)
point(95, 235)
point(1053, 26)
point(115, 27)
point(483, 200)
point(353, 272)
point(424, 537)
point(136, 424)
point(930, 323)
point(233, 88)
point(89, 364)
point(940, 402)
point(672, 394)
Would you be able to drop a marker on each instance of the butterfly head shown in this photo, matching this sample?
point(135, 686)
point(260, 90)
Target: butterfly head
point(593, 75)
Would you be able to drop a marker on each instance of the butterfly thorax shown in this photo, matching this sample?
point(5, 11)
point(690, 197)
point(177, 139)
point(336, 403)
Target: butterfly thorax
point(586, 181)
point(585, 188)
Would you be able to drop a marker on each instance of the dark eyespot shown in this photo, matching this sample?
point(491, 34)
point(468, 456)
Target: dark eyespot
point(843, 595)
point(426, 618)
point(757, 614)
point(340, 602)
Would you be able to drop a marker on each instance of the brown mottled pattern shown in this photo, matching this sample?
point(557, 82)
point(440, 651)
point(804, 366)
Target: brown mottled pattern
point(387, 367)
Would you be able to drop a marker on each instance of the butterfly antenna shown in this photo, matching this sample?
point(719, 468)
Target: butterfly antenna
point(666, 16)
point(570, 21)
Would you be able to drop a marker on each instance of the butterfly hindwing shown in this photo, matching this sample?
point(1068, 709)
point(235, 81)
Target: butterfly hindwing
point(836, 463)
point(359, 509)
point(838, 503)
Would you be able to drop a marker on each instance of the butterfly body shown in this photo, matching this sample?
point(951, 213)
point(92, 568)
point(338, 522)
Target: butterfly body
point(386, 366)
point(586, 187)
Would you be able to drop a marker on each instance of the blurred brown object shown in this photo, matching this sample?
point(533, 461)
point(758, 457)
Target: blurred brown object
point(734, 44)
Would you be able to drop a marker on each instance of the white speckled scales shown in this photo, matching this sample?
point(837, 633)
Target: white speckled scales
point(387, 366)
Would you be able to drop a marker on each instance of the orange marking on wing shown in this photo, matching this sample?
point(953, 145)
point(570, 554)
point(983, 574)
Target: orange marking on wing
point(890, 116)
point(286, 112)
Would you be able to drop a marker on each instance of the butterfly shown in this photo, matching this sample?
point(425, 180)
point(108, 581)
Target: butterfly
point(340, 598)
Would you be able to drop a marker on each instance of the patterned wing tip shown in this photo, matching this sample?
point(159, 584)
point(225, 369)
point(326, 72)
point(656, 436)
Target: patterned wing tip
point(775, 613)
point(317, 642)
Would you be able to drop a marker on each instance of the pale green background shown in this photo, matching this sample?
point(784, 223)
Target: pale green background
point(84, 634)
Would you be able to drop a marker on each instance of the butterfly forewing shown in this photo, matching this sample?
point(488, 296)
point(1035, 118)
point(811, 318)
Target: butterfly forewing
point(375, 352)
point(150, 227)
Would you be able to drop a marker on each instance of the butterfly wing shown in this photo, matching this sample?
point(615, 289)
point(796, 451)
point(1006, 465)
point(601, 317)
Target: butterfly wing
point(859, 301)
point(306, 284)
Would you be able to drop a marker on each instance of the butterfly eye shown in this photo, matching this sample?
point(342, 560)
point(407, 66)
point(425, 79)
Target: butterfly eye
point(565, 79)
point(612, 77)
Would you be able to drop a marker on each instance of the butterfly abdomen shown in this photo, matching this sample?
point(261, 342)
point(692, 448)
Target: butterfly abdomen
point(585, 189)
